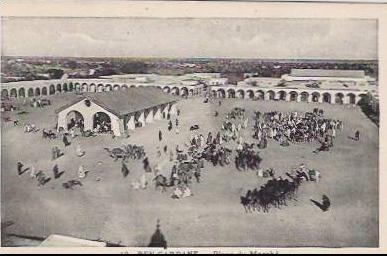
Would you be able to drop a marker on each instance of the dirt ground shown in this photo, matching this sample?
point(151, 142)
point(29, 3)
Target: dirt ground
point(110, 210)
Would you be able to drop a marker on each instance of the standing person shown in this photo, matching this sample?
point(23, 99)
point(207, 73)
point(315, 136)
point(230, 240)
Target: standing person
point(82, 172)
point(32, 172)
point(178, 112)
point(20, 168)
point(160, 135)
point(55, 170)
point(66, 140)
point(209, 138)
point(124, 170)
point(170, 125)
point(72, 133)
point(357, 135)
point(79, 151)
point(53, 154)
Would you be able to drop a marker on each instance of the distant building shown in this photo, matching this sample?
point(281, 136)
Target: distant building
point(356, 76)
point(305, 85)
point(217, 81)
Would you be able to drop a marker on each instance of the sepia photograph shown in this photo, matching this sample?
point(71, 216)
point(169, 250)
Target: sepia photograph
point(185, 132)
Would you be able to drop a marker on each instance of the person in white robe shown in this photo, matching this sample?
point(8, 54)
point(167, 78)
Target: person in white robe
point(187, 192)
point(79, 151)
point(82, 172)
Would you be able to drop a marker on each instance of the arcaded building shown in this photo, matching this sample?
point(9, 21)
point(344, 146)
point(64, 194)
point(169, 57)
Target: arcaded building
point(122, 110)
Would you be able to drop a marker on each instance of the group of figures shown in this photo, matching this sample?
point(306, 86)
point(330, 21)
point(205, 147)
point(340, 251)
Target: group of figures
point(293, 127)
point(126, 152)
point(278, 191)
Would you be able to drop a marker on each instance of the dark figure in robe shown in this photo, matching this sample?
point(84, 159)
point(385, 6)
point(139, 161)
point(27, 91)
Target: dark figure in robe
point(357, 135)
point(19, 168)
point(170, 125)
point(66, 141)
point(124, 170)
point(160, 136)
point(56, 172)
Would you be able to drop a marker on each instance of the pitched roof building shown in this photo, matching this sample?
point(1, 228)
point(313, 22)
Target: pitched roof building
point(121, 110)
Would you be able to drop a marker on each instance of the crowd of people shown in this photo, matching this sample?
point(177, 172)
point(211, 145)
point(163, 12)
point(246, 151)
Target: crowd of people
point(247, 158)
point(293, 127)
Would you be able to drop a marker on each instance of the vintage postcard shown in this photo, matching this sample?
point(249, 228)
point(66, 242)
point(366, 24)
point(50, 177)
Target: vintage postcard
point(164, 127)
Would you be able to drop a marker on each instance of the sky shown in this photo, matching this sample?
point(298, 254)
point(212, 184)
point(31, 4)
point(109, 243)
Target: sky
point(190, 38)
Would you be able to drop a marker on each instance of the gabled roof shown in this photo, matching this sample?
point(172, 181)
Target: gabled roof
point(327, 73)
point(123, 102)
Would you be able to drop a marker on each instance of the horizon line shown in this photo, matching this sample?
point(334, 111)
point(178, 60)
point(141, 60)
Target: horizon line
point(210, 58)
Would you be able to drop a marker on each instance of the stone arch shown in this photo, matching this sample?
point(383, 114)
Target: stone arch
point(271, 95)
point(352, 98)
point(100, 88)
point(59, 88)
point(30, 92)
point(52, 89)
point(191, 92)
point(77, 87)
point(230, 93)
point(175, 91)
point(108, 87)
point(221, 93)
point(293, 96)
point(71, 87)
point(65, 88)
point(240, 94)
point(327, 98)
point(37, 91)
point(124, 87)
point(102, 120)
point(282, 95)
point(260, 95)
point(166, 89)
point(133, 86)
point(250, 94)
point(116, 87)
point(214, 94)
point(315, 97)
point(44, 91)
point(184, 91)
point(304, 97)
point(74, 117)
point(13, 93)
point(339, 98)
point(92, 88)
point(22, 93)
point(85, 87)
point(4, 94)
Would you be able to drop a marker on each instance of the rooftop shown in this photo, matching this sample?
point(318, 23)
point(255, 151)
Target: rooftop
point(127, 101)
point(327, 73)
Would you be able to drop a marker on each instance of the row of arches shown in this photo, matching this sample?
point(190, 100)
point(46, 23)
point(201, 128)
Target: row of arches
point(86, 87)
point(181, 91)
point(303, 96)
